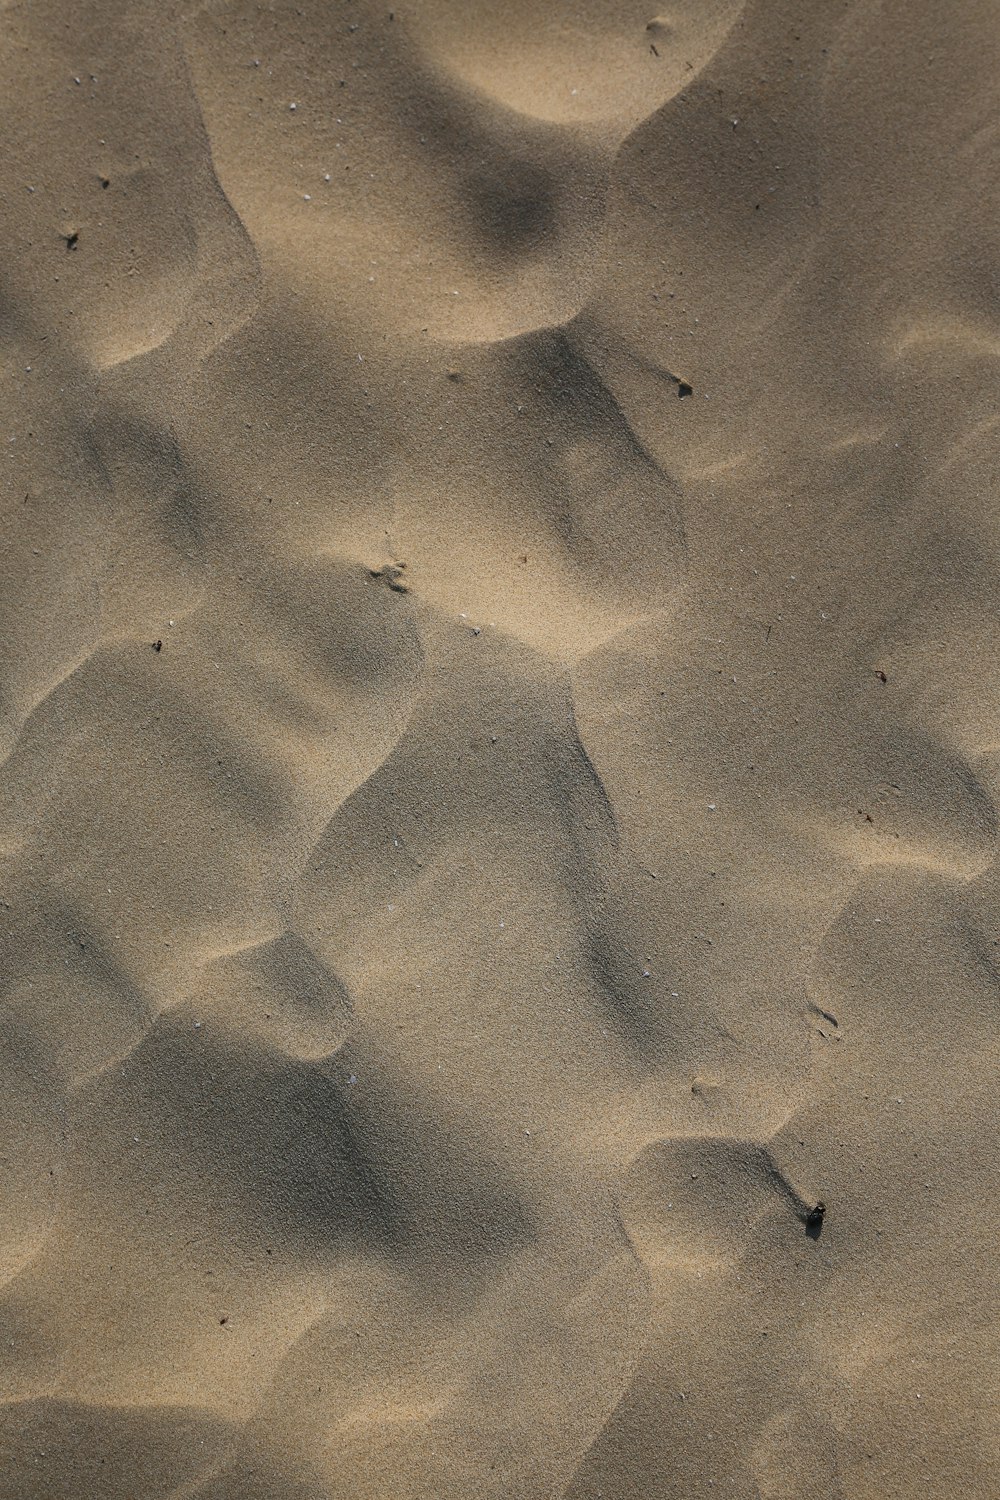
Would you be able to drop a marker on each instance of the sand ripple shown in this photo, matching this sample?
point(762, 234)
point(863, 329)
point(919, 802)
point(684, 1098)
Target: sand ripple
point(498, 778)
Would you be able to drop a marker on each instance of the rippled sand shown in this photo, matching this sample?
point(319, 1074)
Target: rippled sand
point(499, 717)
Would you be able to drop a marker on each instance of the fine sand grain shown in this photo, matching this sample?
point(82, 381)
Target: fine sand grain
point(499, 750)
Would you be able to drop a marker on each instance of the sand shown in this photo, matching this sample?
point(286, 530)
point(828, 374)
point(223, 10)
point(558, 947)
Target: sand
point(500, 694)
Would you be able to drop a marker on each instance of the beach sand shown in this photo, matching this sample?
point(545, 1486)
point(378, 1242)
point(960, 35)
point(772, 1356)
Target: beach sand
point(499, 718)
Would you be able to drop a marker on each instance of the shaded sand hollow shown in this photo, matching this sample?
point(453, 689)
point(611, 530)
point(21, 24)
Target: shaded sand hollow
point(500, 734)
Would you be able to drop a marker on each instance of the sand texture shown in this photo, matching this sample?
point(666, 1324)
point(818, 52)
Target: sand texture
point(499, 750)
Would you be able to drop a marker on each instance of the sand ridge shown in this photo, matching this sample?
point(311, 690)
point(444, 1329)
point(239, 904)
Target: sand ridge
point(498, 800)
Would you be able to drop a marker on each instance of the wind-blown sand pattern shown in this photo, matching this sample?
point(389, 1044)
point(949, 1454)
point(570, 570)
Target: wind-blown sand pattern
point(500, 720)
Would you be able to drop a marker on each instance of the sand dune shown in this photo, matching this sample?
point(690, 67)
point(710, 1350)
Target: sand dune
point(498, 801)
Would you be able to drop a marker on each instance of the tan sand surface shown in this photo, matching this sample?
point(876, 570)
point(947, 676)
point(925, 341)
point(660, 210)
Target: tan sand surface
point(500, 736)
